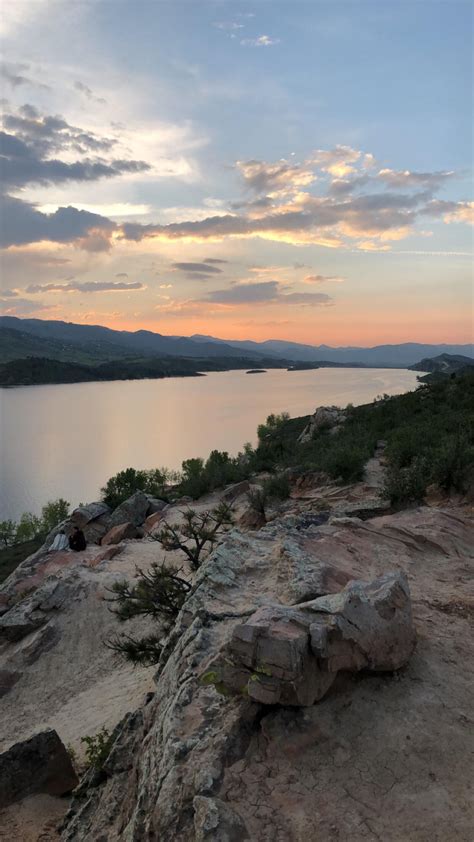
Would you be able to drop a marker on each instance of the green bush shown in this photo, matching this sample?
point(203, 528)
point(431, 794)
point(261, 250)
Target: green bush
point(277, 487)
point(220, 469)
point(407, 485)
point(197, 534)
point(97, 749)
point(121, 486)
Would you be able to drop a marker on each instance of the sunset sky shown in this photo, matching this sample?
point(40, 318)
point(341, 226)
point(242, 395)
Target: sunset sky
point(285, 170)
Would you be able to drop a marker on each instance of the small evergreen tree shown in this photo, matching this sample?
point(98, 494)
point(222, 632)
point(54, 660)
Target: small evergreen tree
point(158, 593)
point(198, 533)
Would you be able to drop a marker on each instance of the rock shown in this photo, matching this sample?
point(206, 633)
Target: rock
point(38, 765)
point(214, 821)
point(106, 555)
point(152, 522)
point(119, 533)
point(155, 505)
point(291, 655)
point(251, 519)
point(233, 491)
point(325, 418)
point(134, 510)
point(8, 679)
point(85, 514)
point(32, 612)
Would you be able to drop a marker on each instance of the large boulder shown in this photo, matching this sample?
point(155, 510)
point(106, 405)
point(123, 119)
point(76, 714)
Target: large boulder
point(233, 491)
point(325, 418)
point(155, 504)
point(38, 765)
point(119, 533)
point(134, 510)
point(291, 655)
point(84, 514)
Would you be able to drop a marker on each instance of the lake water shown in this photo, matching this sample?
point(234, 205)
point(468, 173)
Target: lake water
point(67, 440)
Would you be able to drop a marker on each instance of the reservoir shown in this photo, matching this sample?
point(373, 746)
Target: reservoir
point(67, 440)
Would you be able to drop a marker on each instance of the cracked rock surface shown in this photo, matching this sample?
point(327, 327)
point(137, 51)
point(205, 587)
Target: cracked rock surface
point(383, 756)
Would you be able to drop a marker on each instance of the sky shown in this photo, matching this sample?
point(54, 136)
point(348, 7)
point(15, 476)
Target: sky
point(256, 170)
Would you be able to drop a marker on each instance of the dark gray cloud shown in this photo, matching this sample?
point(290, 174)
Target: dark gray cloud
point(21, 223)
point(22, 307)
point(86, 286)
point(31, 143)
point(214, 260)
point(205, 268)
point(121, 275)
point(264, 291)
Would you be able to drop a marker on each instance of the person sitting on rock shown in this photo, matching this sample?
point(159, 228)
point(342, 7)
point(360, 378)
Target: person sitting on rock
point(77, 540)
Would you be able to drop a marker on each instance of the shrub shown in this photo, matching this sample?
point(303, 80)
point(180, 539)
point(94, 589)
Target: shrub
point(220, 469)
point(258, 499)
point(144, 651)
point(277, 487)
point(454, 464)
point(344, 461)
point(121, 486)
point(198, 533)
point(407, 485)
point(97, 749)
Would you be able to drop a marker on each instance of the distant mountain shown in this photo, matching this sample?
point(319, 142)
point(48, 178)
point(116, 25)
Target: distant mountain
point(142, 342)
point(103, 343)
point(402, 355)
point(443, 364)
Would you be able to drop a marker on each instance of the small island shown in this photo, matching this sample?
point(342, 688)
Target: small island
point(256, 371)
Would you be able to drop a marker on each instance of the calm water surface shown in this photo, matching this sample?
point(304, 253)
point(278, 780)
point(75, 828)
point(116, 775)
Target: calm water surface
point(67, 440)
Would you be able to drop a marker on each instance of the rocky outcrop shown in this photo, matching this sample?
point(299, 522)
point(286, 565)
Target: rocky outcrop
point(325, 418)
point(32, 612)
point(119, 533)
point(291, 656)
point(134, 510)
point(40, 764)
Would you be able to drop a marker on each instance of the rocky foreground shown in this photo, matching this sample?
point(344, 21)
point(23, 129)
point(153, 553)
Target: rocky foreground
point(317, 684)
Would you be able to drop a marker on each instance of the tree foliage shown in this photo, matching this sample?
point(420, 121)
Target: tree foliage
point(121, 486)
point(197, 534)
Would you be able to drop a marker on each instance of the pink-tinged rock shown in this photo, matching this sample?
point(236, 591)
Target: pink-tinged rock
point(233, 491)
point(119, 533)
point(106, 555)
point(291, 655)
point(152, 522)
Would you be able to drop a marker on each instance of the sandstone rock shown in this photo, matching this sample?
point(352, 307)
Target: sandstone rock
point(291, 655)
point(251, 519)
point(152, 522)
point(32, 612)
point(38, 765)
point(85, 514)
point(325, 417)
point(119, 533)
point(214, 821)
point(155, 505)
point(233, 491)
point(134, 510)
point(105, 555)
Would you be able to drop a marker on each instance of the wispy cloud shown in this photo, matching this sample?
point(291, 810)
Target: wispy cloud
point(260, 41)
point(86, 286)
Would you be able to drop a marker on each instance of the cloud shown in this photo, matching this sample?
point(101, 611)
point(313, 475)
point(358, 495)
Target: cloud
point(87, 286)
point(322, 279)
point(263, 177)
point(403, 179)
point(22, 307)
point(340, 161)
point(260, 41)
point(84, 89)
point(22, 223)
point(451, 211)
point(206, 268)
point(228, 25)
point(264, 291)
point(121, 275)
point(214, 260)
point(14, 75)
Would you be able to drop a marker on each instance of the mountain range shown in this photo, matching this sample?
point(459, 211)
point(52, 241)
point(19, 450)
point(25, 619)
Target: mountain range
point(102, 343)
